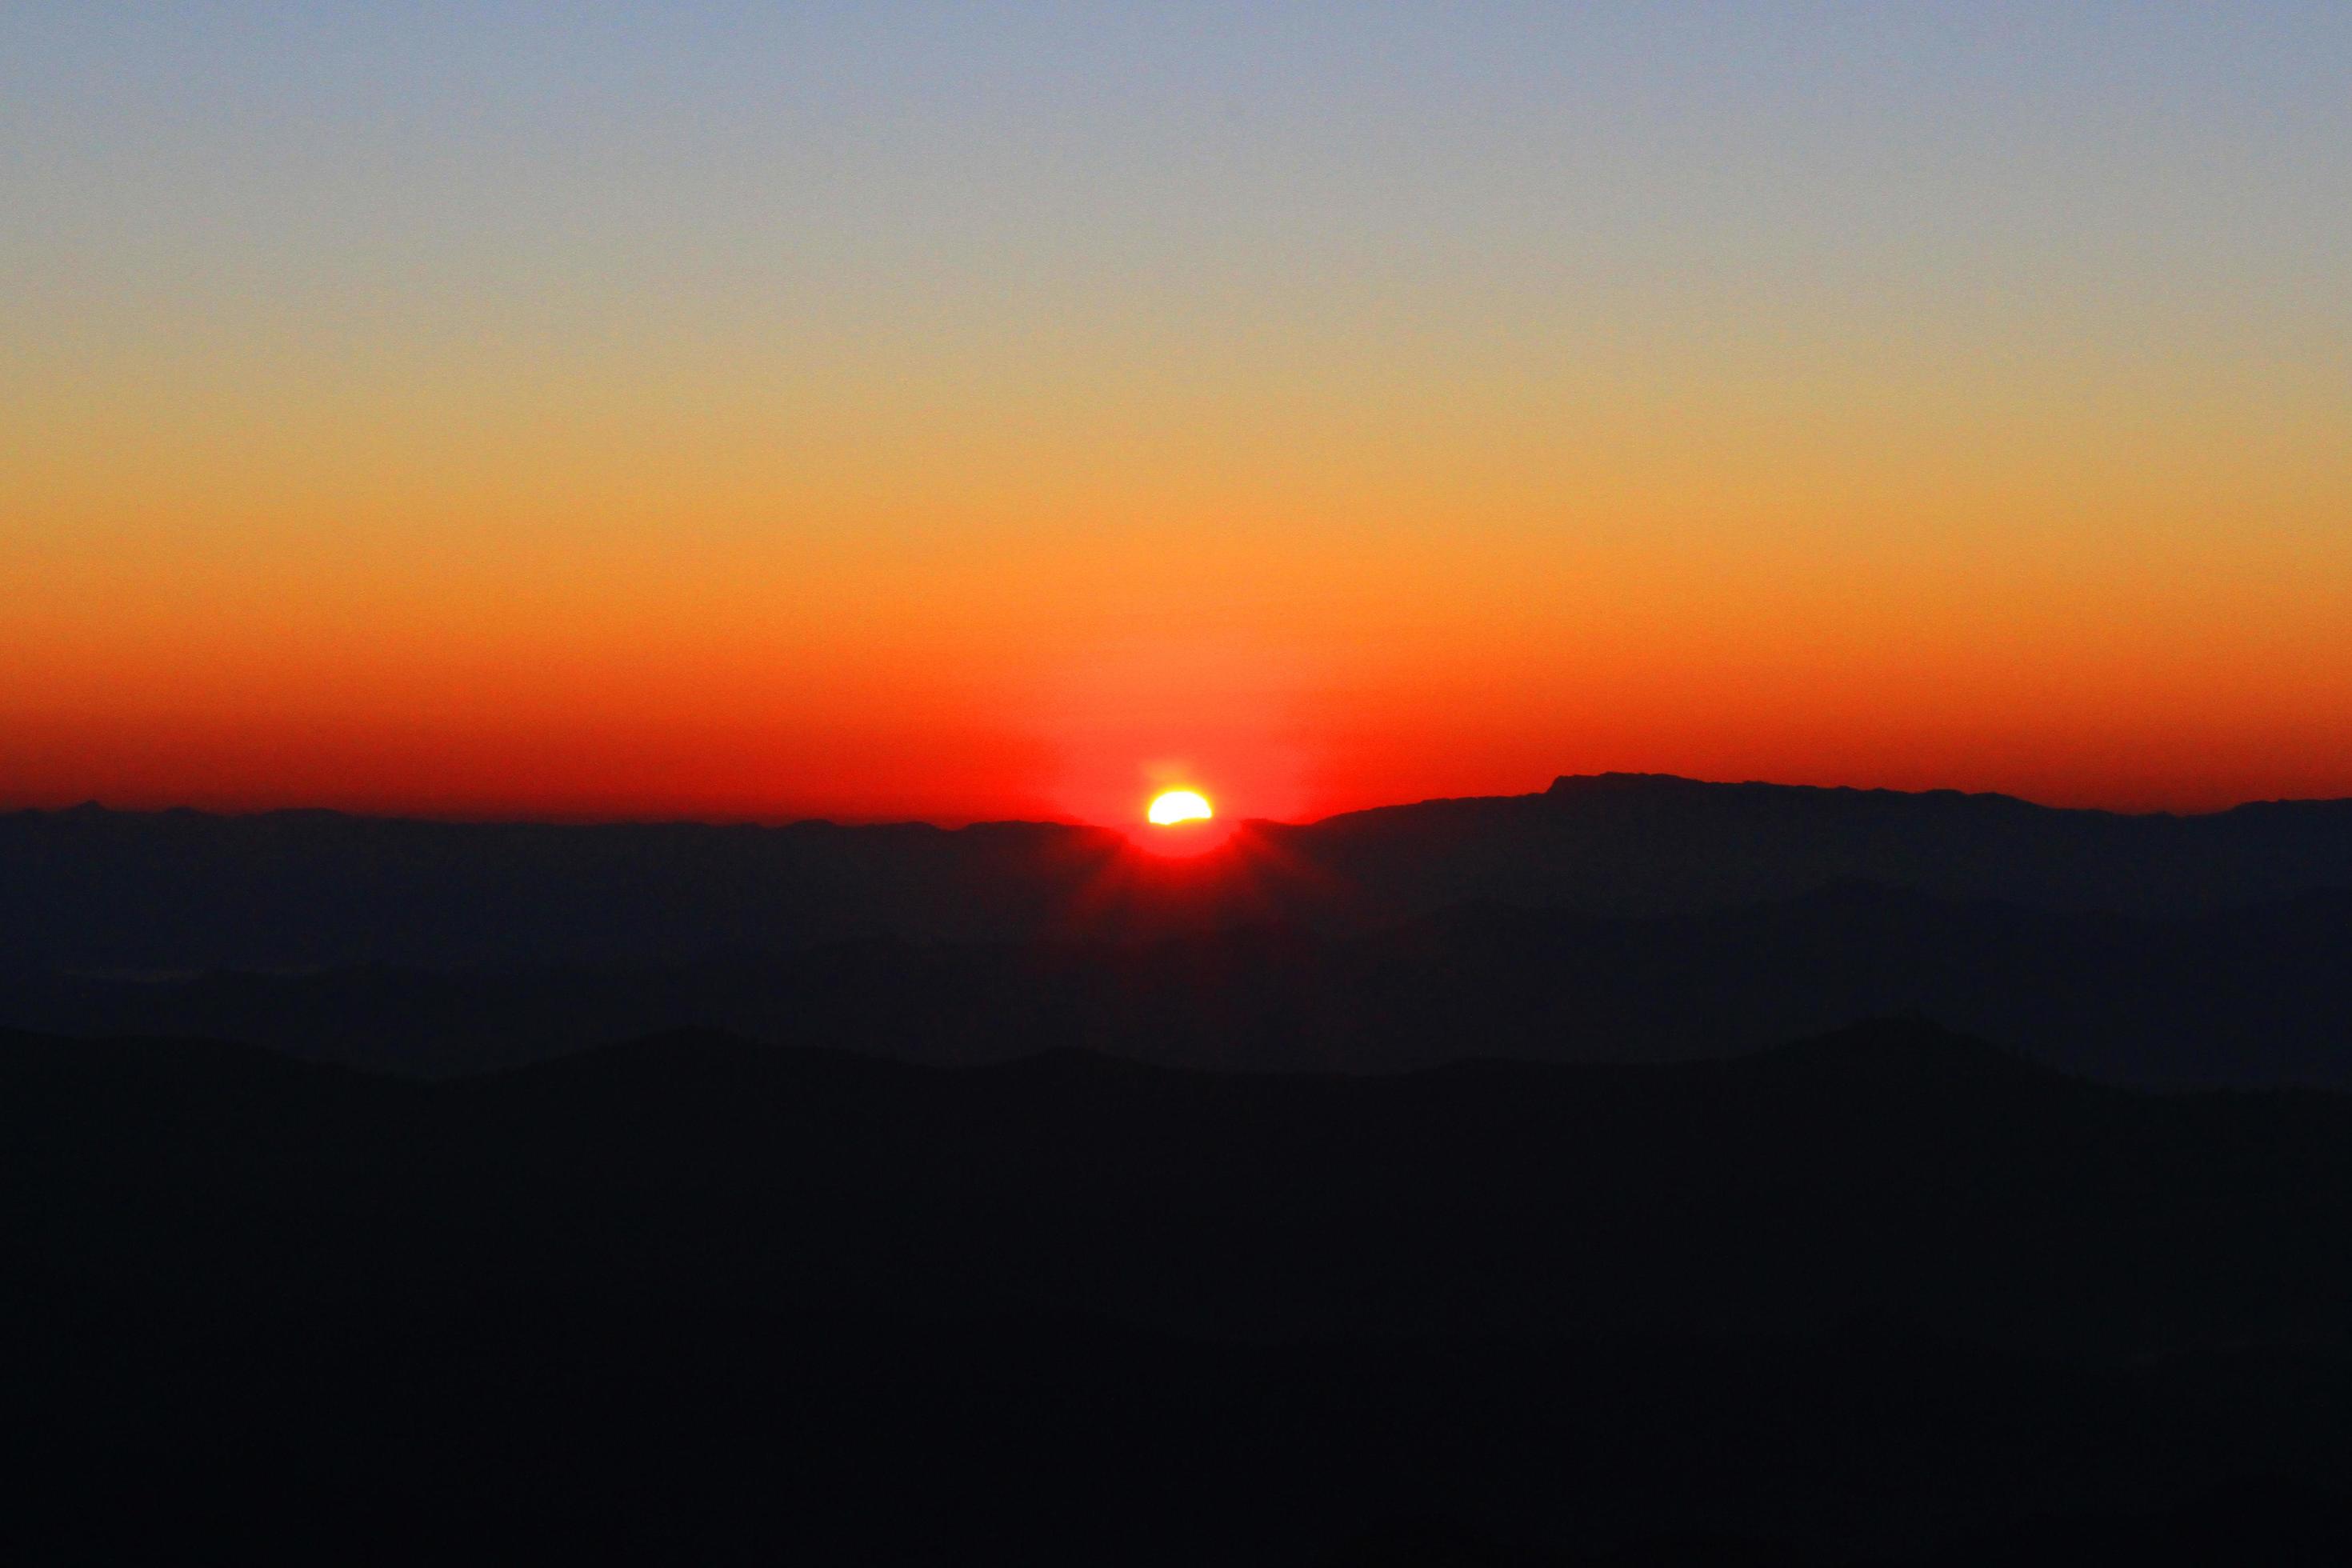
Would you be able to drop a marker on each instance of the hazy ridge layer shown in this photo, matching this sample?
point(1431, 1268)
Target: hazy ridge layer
point(92, 891)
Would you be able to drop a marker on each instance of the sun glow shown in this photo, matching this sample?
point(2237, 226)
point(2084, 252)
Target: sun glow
point(1179, 806)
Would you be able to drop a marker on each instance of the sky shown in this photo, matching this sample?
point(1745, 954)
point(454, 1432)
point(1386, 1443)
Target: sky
point(966, 411)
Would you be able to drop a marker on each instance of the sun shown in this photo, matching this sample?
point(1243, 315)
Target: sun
point(1179, 806)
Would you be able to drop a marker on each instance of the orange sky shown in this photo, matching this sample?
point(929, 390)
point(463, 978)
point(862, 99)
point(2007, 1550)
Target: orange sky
point(871, 424)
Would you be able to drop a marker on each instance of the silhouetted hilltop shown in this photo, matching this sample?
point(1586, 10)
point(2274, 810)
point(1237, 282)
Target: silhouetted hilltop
point(1890, 1291)
point(1633, 843)
point(98, 890)
point(1907, 1057)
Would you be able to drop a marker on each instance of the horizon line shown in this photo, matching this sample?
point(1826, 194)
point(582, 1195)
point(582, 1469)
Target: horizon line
point(497, 818)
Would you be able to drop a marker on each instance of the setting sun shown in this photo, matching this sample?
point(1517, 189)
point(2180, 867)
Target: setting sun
point(1179, 806)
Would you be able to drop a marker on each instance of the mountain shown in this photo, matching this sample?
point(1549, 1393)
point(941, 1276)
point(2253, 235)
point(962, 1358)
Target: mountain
point(2249, 997)
point(94, 891)
point(1884, 1292)
point(1436, 1184)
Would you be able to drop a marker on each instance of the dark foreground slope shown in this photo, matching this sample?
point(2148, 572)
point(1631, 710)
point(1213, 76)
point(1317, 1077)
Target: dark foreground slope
point(1889, 1292)
point(2261, 995)
point(88, 889)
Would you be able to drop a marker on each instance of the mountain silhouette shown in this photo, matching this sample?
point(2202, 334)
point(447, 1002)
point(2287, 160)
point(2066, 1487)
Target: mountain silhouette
point(2256, 995)
point(1641, 1172)
point(95, 891)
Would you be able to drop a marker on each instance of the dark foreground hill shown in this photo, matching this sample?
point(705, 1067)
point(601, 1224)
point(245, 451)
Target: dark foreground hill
point(88, 889)
point(1889, 1293)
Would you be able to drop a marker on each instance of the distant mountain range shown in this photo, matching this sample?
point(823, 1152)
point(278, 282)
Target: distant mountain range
point(1887, 1292)
point(2226, 995)
point(1429, 1187)
point(98, 891)
point(2249, 997)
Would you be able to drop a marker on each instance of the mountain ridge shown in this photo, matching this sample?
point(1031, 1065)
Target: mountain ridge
point(1607, 780)
point(153, 892)
point(2252, 997)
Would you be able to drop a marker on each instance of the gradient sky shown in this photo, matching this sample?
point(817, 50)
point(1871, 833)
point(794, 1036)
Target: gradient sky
point(972, 411)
